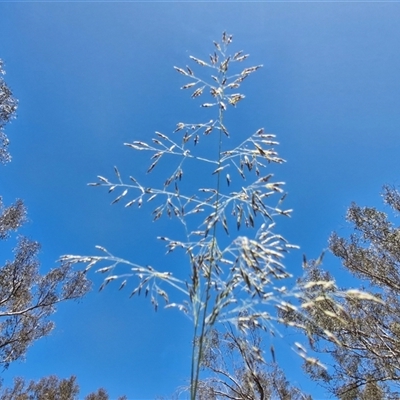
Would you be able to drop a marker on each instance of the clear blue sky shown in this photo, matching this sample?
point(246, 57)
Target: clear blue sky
point(90, 76)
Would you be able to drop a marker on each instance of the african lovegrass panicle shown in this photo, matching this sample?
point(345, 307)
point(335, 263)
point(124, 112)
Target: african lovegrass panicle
point(229, 282)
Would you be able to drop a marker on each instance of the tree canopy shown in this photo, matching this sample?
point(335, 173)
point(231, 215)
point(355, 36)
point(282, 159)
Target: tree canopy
point(50, 388)
point(27, 297)
point(361, 334)
point(236, 369)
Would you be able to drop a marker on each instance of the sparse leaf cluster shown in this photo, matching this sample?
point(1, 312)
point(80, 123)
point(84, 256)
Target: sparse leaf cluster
point(360, 330)
point(237, 369)
point(50, 388)
point(27, 299)
point(8, 107)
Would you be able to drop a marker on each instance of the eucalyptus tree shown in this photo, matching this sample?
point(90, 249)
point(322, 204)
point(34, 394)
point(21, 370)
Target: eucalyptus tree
point(50, 388)
point(236, 369)
point(364, 335)
point(27, 298)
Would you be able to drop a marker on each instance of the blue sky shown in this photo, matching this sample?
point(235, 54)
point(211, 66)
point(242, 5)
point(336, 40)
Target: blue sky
point(90, 76)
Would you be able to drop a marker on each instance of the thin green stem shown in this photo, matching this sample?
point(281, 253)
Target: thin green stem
point(196, 359)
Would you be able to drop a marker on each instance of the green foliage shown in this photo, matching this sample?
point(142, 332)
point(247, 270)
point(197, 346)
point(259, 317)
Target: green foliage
point(8, 107)
point(11, 218)
point(27, 299)
point(50, 388)
point(363, 337)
